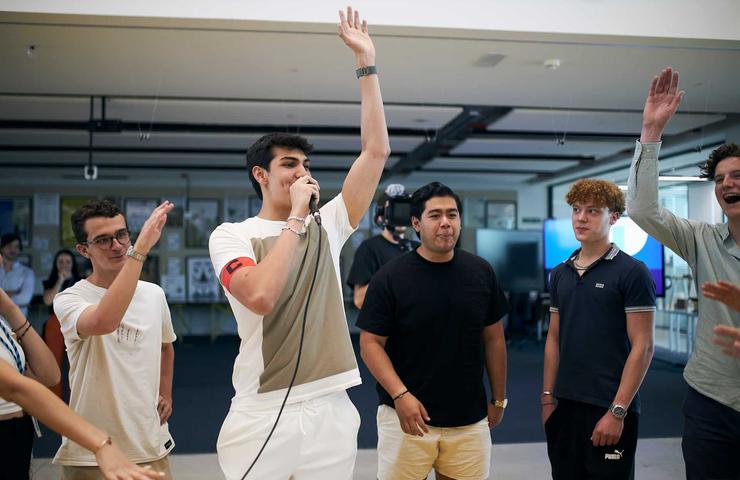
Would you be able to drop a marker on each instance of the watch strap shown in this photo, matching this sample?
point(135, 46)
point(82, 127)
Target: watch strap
point(364, 71)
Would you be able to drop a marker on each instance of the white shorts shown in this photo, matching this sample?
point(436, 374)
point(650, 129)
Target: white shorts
point(462, 453)
point(314, 439)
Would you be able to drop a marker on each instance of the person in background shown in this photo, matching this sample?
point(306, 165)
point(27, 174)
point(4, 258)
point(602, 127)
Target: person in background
point(15, 278)
point(63, 274)
point(24, 351)
point(376, 251)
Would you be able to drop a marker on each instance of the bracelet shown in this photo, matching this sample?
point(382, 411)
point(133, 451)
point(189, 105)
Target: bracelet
point(105, 442)
point(400, 395)
point(15, 330)
point(364, 71)
point(20, 337)
point(545, 393)
point(293, 217)
point(292, 230)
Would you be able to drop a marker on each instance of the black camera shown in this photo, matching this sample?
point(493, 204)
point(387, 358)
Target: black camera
point(393, 208)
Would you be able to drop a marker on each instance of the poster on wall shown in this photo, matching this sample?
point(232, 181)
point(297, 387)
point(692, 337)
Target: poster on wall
point(45, 209)
point(236, 209)
point(138, 211)
point(174, 287)
point(15, 217)
point(69, 205)
point(200, 220)
point(177, 214)
point(203, 286)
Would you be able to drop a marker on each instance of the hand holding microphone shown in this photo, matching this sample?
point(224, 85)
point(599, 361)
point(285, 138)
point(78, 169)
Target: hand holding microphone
point(304, 196)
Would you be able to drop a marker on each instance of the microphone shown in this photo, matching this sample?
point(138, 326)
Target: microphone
point(314, 211)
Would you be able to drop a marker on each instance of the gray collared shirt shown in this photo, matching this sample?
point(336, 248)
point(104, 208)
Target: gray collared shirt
point(712, 254)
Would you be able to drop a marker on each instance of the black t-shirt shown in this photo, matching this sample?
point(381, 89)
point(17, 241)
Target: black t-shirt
point(434, 315)
point(372, 254)
point(593, 308)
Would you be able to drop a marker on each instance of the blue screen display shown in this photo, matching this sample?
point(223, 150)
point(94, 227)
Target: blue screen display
point(560, 241)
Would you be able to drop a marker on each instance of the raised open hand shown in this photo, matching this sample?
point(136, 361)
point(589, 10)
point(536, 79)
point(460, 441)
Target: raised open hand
point(661, 104)
point(354, 33)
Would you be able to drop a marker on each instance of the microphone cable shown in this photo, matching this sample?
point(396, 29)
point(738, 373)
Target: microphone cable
point(317, 218)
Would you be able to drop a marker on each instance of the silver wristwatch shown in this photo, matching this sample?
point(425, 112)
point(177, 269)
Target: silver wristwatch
point(618, 410)
point(134, 254)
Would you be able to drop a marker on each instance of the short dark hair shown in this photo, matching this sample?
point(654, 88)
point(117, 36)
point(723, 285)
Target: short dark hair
point(10, 238)
point(718, 154)
point(435, 189)
point(260, 153)
point(92, 209)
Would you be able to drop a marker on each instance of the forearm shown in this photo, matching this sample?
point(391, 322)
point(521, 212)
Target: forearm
point(496, 365)
point(41, 403)
point(109, 312)
point(633, 373)
point(380, 366)
point(259, 287)
point(167, 370)
point(373, 128)
point(552, 362)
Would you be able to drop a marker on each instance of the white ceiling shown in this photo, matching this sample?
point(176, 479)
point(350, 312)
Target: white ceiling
point(196, 93)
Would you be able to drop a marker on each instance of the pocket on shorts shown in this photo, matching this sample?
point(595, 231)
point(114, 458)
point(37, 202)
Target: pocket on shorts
point(240, 427)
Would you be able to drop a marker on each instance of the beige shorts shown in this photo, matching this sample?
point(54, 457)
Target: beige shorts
point(314, 440)
point(463, 453)
point(94, 473)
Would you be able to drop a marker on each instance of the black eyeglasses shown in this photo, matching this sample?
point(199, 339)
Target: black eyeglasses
point(105, 243)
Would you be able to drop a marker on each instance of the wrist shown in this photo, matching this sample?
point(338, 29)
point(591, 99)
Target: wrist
point(650, 134)
point(365, 60)
point(141, 249)
point(102, 444)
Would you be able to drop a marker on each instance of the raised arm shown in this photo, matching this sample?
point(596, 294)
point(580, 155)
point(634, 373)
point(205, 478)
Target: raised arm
point(362, 180)
point(105, 317)
point(643, 207)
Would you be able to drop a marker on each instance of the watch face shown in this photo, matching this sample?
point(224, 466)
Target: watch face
point(618, 411)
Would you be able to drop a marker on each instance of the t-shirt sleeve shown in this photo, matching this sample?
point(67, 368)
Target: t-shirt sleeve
point(168, 332)
point(553, 288)
point(639, 290)
point(376, 315)
point(226, 245)
point(363, 266)
point(68, 307)
point(335, 220)
point(498, 306)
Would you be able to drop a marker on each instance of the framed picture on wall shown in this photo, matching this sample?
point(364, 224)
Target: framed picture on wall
point(150, 269)
point(501, 215)
point(138, 211)
point(200, 220)
point(236, 209)
point(203, 286)
point(176, 216)
point(67, 208)
point(15, 217)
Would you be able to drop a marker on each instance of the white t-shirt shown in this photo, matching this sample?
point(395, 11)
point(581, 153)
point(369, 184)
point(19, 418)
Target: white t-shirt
point(8, 355)
point(269, 344)
point(114, 378)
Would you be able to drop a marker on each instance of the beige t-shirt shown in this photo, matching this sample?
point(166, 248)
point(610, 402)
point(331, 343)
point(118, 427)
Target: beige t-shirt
point(114, 378)
point(269, 344)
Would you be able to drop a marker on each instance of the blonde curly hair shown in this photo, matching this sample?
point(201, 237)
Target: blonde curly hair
point(601, 192)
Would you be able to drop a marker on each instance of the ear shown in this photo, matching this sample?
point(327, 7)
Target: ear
point(416, 224)
point(82, 250)
point(260, 174)
point(613, 217)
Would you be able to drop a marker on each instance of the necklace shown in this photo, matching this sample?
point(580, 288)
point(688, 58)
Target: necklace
point(578, 265)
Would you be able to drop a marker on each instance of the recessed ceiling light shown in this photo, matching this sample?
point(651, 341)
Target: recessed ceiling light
point(551, 63)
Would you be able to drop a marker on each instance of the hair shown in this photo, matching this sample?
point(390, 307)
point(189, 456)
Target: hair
point(92, 209)
point(603, 193)
point(260, 153)
point(430, 190)
point(718, 154)
point(54, 275)
point(10, 238)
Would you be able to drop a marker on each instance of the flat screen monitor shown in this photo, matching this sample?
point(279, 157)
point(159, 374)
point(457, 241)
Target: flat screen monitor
point(516, 257)
point(560, 241)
